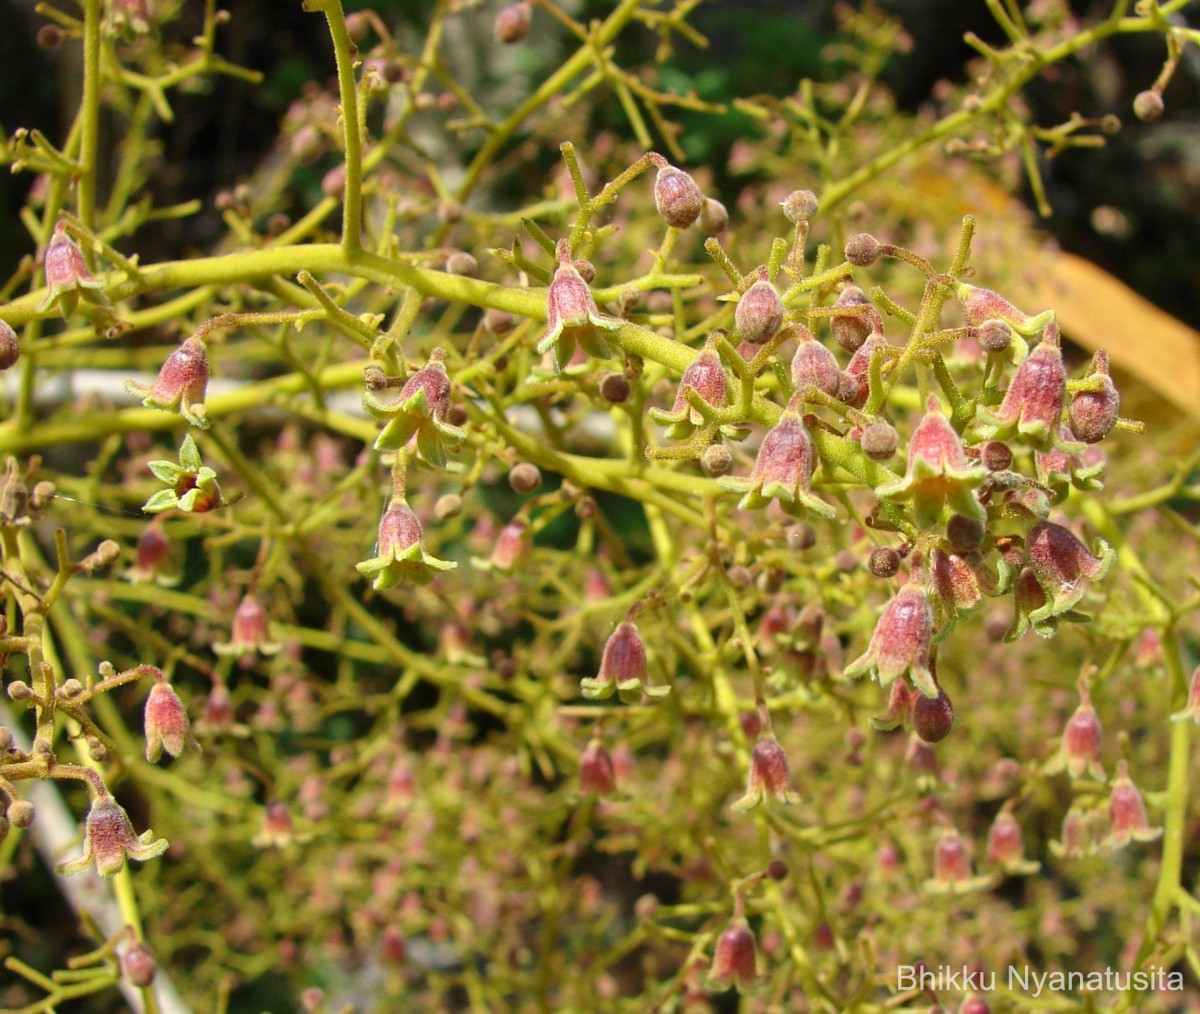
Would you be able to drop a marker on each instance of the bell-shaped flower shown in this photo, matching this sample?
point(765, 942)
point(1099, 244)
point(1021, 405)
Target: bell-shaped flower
point(192, 485)
point(901, 643)
point(770, 775)
point(814, 367)
point(899, 709)
point(956, 588)
point(67, 274)
point(735, 958)
point(510, 549)
point(705, 378)
point(571, 314)
point(421, 411)
point(622, 669)
point(1033, 404)
point(109, 840)
point(783, 469)
point(400, 550)
point(152, 561)
point(1062, 564)
point(1075, 840)
point(250, 633)
point(952, 870)
point(1028, 598)
point(597, 774)
point(1006, 846)
point(938, 473)
point(1191, 711)
point(1057, 467)
point(166, 721)
point(1082, 737)
point(181, 383)
point(1127, 812)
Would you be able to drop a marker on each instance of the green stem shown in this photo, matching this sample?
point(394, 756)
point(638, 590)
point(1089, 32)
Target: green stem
point(90, 114)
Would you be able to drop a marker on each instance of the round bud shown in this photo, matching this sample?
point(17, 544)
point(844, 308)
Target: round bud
point(512, 23)
point(138, 965)
point(586, 508)
point(1148, 105)
point(851, 332)
point(740, 577)
point(863, 250)
point(677, 197)
point(456, 415)
point(461, 263)
point(801, 537)
point(448, 506)
point(615, 388)
point(70, 688)
point(10, 347)
point(1110, 124)
point(449, 212)
point(964, 534)
point(713, 216)
point(777, 869)
point(21, 813)
point(334, 181)
point(799, 205)
point(883, 562)
point(586, 269)
point(357, 26)
point(879, 441)
point(19, 690)
point(716, 460)
point(50, 36)
point(932, 717)
point(759, 312)
point(524, 477)
point(996, 456)
point(498, 321)
point(994, 335)
point(845, 561)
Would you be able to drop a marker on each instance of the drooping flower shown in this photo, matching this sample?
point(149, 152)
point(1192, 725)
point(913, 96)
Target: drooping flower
point(952, 870)
point(1033, 404)
point(1076, 836)
point(109, 839)
point(955, 583)
point(735, 958)
point(899, 709)
point(855, 384)
point(1127, 812)
point(153, 559)
point(597, 775)
point(1061, 564)
point(1082, 737)
point(783, 469)
point(67, 274)
point(249, 634)
point(622, 668)
point(510, 549)
point(813, 365)
point(571, 314)
point(400, 550)
point(770, 775)
point(420, 410)
point(1006, 845)
point(166, 721)
point(1057, 467)
point(705, 376)
point(938, 473)
point(901, 642)
point(181, 384)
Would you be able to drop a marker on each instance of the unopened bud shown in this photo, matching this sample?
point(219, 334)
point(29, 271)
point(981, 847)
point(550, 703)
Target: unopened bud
point(448, 506)
point(714, 218)
point(716, 460)
point(879, 441)
point(801, 537)
point(994, 335)
point(10, 348)
point(883, 562)
point(1148, 105)
point(677, 197)
point(932, 717)
point(524, 477)
point(21, 813)
point(460, 263)
point(615, 388)
point(799, 205)
point(863, 250)
point(138, 965)
point(512, 23)
point(759, 312)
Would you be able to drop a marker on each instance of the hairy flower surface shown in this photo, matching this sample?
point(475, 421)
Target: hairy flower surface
point(571, 314)
point(1063, 565)
point(901, 642)
point(250, 634)
point(109, 840)
point(1033, 404)
point(166, 721)
point(420, 411)
point(783, 470)
point(735, 958)
point(181, 383)
point(813, 365)
point(622, 668)
point(770, 776)
point(1127, 812)
point(705, 377)
point(67, 274)
point(400, 551)
point(939, 472)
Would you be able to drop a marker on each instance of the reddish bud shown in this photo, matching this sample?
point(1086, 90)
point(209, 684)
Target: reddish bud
point(138, 965)
point(951, 859)
point(799, 206)
point(955, 582)
point(852, 330)
point(714, 218)
point(706, 376)
point(932, 717)
point(863, 250)
point(901, 642)
point(1082, 737)
point(597, 777)
point(1094, 413)
point(759, 312)
point(735, 958)
point(1127, 812)
point(855, 383)
point(677, 197)
point(965, 534)
point(1033, 404)
point(181, 383)
point(153, 553)
point(512, 23)
point(716, 460)
point(883, 562)
point(166, 721)
point(994, 335)
point(879, 441)
point(524, 477)
point(813, 365)
point(10, 347)
point(770, 775)
point(250, 633)
point(1148, 105)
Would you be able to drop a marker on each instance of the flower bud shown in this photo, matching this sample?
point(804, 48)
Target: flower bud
point(67, 273)
point(799, 206)
point(994, 335)
point(964, 534)
point(1126, 810)
point(462, 263)
point(524, 477)
point(863, 250)
point(879, 441)
point(153, 553)
point(10, 347)
point(166, 721)
point(615, 388)
point(716, 460)
point(883, 562)
point(955, 582)
point(951, 859)
point(855, 383)
point(1148, 105)
point(677, 197)
point(759, 312)
point(801, 537)
point(813, 365)
point(597, 776)
point(20, 813)
point(1033, 404)
point(735, 958)
point(1079, 751)
point(714, 218)
point(851, 331)
point(932, 717)
point(1005, 844)
point(1094, 413)
point(512, 23)
point(447, 506)
point(1076, 835)
point(138, 965)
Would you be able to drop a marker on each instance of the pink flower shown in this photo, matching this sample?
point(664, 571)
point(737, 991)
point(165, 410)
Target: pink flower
point(400, 550)
point(1033, 404)
point(759, 313)
point(421, 411)
point(597, 776)
point(783, 469)
point(735, 958)
point(1082, 737)
point(938, 473)
point(1191, 711)
point(622, 668)
point(572, 315)
point(1061, 564)
point(1127, 812)
point(770, 775)
point(109, 839)
point(166, 721)
point(181, 383)
point(813, 365)
point(67, 274)
point(901, 642)
point(705, 377)
point(677, 197)
point(1006, 845)
point(249, 633)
